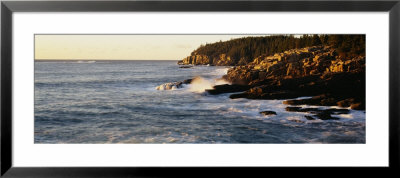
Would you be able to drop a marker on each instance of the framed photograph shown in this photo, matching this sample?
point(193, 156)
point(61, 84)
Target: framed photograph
point(141, 88)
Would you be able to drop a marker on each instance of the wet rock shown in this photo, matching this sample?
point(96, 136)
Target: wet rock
point(169, 86)
point(186, 66)
point(293, 109)
point(187, 81)
point(173, 85)
point(267, 113)
point(338, 111)
point(238, 95)
point(300, 109)
point(181, 62)
point(226, 88)
point(325, 116)
point(321, 100)
point(309, 117)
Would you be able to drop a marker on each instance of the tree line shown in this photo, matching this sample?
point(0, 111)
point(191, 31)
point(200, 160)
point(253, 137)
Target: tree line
point(244, 50)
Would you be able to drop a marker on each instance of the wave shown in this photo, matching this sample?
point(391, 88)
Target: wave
point(169, 86)
point(198, 84)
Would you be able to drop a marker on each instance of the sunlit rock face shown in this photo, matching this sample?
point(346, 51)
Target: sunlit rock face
point(220, 60)
point(319, 71)
point(295, 63)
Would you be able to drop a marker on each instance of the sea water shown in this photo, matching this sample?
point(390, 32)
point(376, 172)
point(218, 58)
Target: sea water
point(117, 102)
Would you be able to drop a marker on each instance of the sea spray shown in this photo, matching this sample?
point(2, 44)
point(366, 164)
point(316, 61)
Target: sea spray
point(197, 84)
point(200, 84)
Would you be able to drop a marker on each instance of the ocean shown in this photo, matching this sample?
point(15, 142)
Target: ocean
point(109, 102)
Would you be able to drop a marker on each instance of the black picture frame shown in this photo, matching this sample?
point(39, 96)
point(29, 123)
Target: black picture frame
point(8, 7)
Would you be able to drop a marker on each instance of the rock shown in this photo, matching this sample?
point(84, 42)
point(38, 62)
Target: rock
point(181, 62)
point(341, 89)
point(299, 109)
point(321, 100)
point(337, 111)
point(293, 109)
point(267, 113)
point(221, 60)
point(241, 75)
point(169, 86)
point(325, 116)
point(309, 117)
point(296, 63)
point(173, 85)
point(226, 88)
point(186, 66)
point(187, 81)
point(319, 71)
point(358, 106)
point(345, 102)
point(312, 101)
point(316, 110)
point(238, 95)
point(197, 60)
point(224, 60)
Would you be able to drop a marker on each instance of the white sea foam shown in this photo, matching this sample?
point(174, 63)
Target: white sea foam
point(200, 84)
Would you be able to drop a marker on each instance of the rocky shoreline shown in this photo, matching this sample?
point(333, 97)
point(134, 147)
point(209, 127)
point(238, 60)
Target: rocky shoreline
point(318, 72)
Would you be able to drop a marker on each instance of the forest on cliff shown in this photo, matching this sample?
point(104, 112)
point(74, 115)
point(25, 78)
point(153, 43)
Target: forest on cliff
point(244, 50)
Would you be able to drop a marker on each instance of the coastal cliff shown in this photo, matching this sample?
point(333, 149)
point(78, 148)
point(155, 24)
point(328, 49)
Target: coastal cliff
point(318, 72)
point(198, 59)
point(296, 63)
point(331, 73)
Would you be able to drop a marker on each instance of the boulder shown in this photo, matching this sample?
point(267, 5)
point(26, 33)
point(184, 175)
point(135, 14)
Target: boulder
point(226, 88)
point(181, 62)
point(309, 117)
point(267, 113)
point(358, 106)
point(346, 102)
point(173, 85)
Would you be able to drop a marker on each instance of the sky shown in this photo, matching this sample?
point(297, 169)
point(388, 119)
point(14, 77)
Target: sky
point(121, 47)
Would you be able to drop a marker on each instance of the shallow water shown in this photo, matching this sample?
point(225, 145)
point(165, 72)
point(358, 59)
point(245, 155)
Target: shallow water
point(116, 102)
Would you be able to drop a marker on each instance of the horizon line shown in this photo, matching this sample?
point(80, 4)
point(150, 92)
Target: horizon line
point(107, 59)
